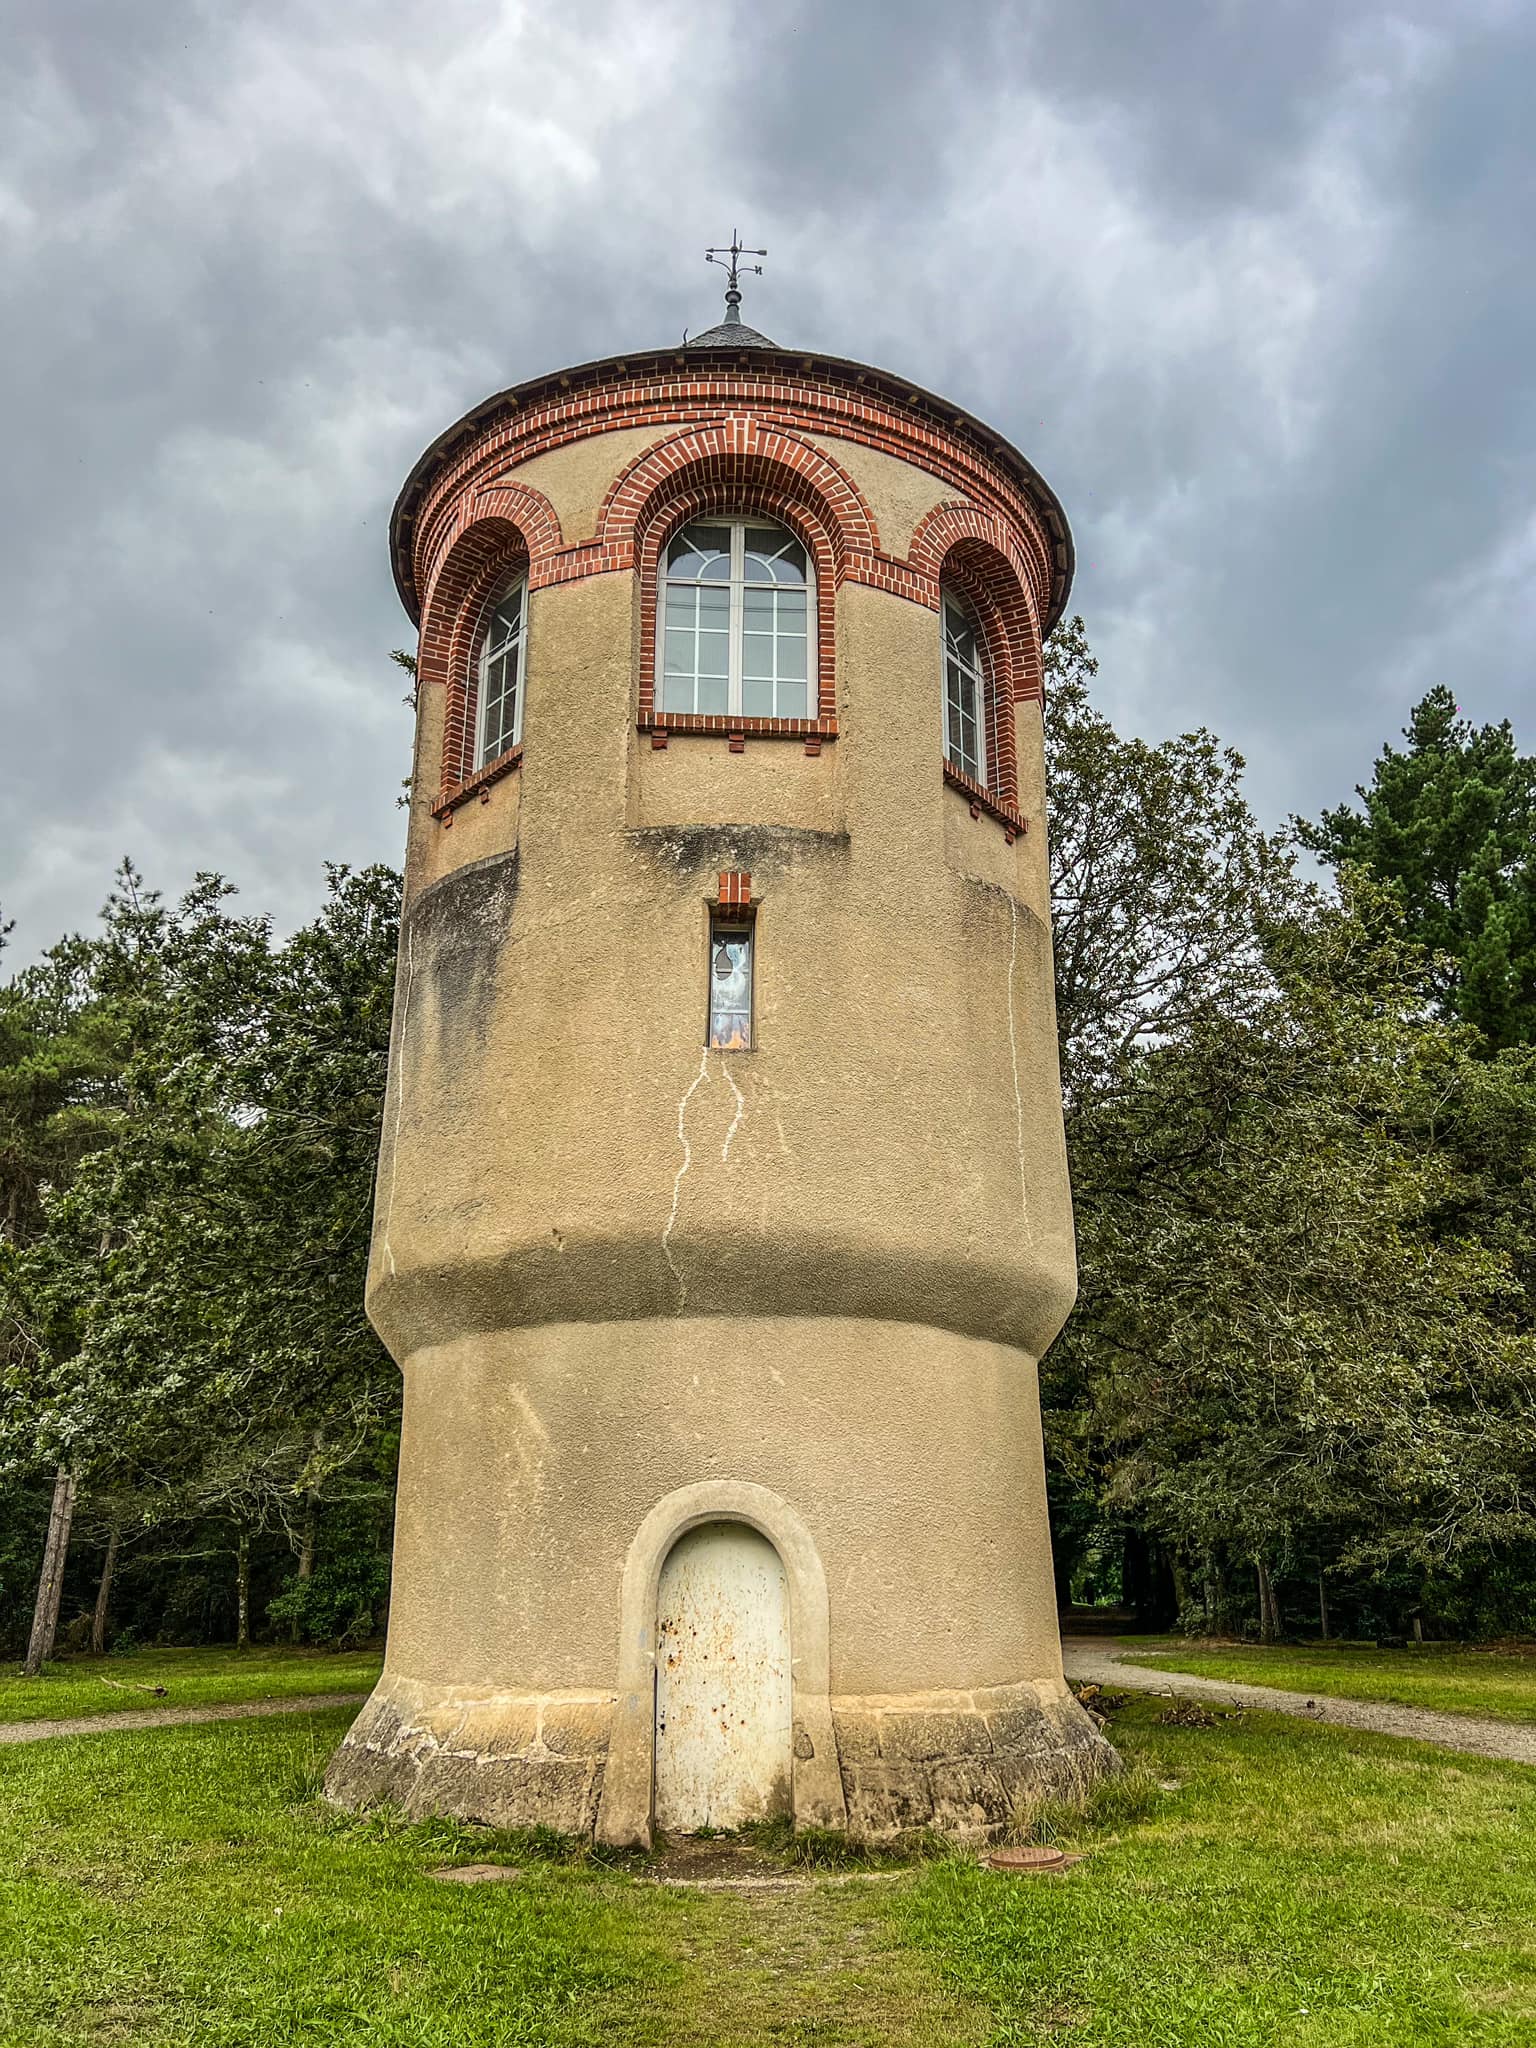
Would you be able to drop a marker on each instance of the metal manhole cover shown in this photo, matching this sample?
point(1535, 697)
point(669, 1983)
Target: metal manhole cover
point(1030, 1860)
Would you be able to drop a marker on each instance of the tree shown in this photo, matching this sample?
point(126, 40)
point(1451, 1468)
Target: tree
point(193, 1338)
point(1449, 824)
point(1161, 879)
point(1287, 1348)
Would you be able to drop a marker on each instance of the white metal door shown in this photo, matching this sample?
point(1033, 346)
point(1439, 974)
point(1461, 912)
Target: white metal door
point(723, 1703)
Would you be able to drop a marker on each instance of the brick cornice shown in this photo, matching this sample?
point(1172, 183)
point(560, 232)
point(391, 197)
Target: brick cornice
point(777, 391)
point(732, 436)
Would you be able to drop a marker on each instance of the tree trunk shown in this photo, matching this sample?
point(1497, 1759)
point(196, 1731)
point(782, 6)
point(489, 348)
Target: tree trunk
point(1269, 1617)
point(243, 1590)
point(1322, 1601)
point(1418, 1628)
point(50, 1584)
point(306, 1560)
point(1180, 1584)
point(104, 1596)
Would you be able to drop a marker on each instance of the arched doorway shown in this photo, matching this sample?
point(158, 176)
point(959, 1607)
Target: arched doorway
point(724, 1699)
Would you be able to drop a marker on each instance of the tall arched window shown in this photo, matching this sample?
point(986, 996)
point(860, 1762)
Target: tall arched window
point(965, 691)
point(738, 598)
point(499, 675)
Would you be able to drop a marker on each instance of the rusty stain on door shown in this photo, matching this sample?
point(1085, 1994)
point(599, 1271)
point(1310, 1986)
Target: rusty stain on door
point(723, 1697)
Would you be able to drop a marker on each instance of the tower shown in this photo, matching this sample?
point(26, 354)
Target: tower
point(722, 1211)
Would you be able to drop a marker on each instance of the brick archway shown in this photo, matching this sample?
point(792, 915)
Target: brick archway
point(526, 510)
point(482, 557)
point(971, 551)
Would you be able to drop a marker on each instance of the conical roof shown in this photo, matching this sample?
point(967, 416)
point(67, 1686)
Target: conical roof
point(730, 334)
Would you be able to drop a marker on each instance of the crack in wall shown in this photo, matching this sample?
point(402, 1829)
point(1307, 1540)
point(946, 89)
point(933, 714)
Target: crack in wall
point(678, 1178)
point(741, 1110)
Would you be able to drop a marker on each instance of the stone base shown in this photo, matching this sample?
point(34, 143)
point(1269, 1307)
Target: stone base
point(963, 1762)
point(508, 1760)
point(959, 1762)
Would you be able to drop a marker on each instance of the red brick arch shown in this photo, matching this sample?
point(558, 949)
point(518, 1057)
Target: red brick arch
point(739, 465)
point(516, 505)
point(477, 562)
point(971, 550)
point(744, 456)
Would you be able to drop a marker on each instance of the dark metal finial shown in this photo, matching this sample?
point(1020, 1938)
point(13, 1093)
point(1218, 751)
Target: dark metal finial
point(733, 290)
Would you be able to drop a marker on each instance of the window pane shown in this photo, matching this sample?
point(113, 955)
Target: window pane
point(700, 552)
point(730, 990)
point(792, 702)
point(714, 694)
point(773, 556)
point(679, 651)
point(792, 657)
point(757, 656)
point(714, 654)
point(499, 676)
point(757, 696)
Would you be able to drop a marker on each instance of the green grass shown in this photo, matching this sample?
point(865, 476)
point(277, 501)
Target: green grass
point(191, 1678)
point(1259, 1884)
point(1295, 1886)
point(1500, 1685)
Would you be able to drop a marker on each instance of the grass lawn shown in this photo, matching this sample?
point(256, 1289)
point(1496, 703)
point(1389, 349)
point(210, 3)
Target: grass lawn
point(1272, 1885)
point(191, 1678)
point(1500, 1685)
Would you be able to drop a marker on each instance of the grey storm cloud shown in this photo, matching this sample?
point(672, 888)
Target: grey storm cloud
point(1251, 285)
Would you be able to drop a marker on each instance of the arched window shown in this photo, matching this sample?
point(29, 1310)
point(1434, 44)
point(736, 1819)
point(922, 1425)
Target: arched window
point(965, 691)
point(738, 598)
point(499, 675)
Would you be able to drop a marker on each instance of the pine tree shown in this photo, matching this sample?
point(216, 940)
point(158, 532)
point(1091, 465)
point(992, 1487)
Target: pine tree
point(1449, 824)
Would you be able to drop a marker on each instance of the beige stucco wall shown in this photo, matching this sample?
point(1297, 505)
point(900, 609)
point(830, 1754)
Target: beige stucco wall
point(553, 1444)
point(897, 1145)
point(899, 494)
point(613, 1264)
point(575, 479)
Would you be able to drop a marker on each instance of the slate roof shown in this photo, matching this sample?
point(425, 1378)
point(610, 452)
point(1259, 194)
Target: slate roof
point(730, 334)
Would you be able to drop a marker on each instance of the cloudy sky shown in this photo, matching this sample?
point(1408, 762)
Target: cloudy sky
point(1251, 284)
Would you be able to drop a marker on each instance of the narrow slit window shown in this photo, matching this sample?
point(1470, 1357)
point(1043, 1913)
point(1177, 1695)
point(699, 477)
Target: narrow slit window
point(965, 691)
point(499, 676)
point(730, 987)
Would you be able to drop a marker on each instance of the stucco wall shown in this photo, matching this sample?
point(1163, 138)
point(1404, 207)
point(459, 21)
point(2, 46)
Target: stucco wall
point(897, 1146)
point(553, 1444)
point(613, 1264)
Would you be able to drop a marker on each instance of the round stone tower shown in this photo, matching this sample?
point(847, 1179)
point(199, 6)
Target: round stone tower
point(722, 1209)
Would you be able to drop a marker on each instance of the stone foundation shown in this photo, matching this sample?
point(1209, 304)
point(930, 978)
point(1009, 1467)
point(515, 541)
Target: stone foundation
point(960, 1762)
point(508, 1760)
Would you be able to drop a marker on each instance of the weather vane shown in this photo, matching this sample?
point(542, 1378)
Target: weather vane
point(729, 261)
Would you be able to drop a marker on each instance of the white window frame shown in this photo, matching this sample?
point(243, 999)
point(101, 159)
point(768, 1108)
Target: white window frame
point(482, 666)
point(735, 646)
point(949, 601)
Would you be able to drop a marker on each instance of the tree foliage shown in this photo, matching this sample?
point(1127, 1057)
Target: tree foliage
point(1449, 824)
point(1305, 1233)
point(1161, 880)
point(187, 1333)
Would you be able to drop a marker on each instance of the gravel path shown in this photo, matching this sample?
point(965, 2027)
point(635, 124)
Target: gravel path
point(1099, 1662)
point(171, 1717)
